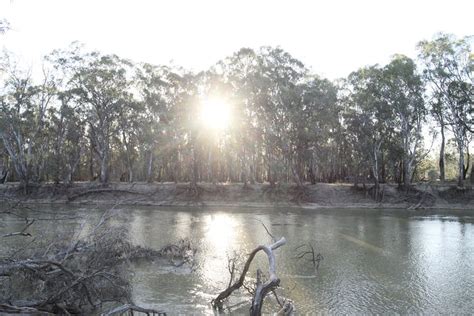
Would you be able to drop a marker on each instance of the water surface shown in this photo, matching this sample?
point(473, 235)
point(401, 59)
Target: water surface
point(375, 261)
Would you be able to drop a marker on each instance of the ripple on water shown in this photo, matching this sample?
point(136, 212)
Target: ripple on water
point(375, 262)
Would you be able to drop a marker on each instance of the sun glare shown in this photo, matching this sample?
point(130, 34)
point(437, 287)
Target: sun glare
point(215, 113)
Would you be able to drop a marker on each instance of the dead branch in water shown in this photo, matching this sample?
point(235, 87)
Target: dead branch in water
point(23, 231)
point(314, 258)
point(262, 288)
point(73, 274)
point(128, 308)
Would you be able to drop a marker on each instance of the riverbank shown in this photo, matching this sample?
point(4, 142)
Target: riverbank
point(321, 195)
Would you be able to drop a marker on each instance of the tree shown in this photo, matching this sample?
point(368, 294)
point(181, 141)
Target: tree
point(402, 91)
point(448, 67)
point(67, 140)
point(159, 90)
point(23, 123)
point(100, 86)
point(368, 118)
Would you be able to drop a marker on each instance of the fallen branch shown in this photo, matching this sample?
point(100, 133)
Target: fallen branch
point(315, 259)
point(23, 231)
point(262, 288)
point(273, 281)
point(11, 309)
point(76, 274)
point(133, 308)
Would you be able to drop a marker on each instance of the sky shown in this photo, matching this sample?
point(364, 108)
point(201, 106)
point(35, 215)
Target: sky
point(332, 38)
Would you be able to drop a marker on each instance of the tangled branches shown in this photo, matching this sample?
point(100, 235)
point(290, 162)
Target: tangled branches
point(308, 250)
point(262, 288)
point(77, 274)
point(68, 276)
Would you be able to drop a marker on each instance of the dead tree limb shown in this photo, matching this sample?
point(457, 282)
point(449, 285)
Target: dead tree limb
point(11, 309)
point(262, 288)
point(315, 259)
point(23, 231)
point(120, 310)
point(273, 281)
point(287, 309)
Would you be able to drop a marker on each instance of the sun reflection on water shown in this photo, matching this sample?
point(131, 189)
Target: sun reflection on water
point(220, 238)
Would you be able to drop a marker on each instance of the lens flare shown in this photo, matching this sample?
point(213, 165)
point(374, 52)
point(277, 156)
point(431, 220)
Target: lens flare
point(215, 114)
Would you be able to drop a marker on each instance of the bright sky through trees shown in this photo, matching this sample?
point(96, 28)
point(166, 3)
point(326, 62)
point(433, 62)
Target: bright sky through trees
point(333, 37)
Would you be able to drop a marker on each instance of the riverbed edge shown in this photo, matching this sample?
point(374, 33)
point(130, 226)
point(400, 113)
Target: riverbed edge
point(318, 196)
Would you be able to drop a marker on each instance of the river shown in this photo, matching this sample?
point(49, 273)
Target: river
point(375, 261)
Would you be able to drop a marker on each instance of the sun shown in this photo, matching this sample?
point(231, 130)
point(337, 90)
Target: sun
point(215, 113)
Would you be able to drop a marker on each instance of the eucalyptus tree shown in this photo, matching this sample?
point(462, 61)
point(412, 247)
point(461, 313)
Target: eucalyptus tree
point(280, 73)
point(23, 122)
point(448, 67)
point(187, 111)
point(67, 139)
point(284, 114)
point(130, 122)
point(100, 86)
point(241, 71)
point(368, 118)
point(159, 89)
point(315, 124)
point(265, 81)
point(402, 91)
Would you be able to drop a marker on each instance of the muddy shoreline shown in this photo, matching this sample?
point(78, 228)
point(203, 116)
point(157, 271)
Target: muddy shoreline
point(318, 196)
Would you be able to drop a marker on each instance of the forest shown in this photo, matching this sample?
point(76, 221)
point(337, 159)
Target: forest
point(89, 116)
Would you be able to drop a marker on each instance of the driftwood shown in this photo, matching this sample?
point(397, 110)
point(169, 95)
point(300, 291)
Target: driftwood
point(23, 231)
point(128, 308)
point(10, 309)
point(262, 288)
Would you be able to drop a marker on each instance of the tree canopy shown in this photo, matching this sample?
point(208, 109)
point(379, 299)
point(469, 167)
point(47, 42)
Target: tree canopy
point(98, 116)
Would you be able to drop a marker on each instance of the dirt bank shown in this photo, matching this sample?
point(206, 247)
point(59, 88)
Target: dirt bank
point(321, 195)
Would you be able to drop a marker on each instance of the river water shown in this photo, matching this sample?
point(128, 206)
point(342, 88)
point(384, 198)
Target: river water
point(375, 261)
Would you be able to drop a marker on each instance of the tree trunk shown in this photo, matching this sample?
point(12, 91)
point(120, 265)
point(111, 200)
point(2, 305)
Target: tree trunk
point(149, 170)
point(467, 164)
point(461, 163)
point(375, 169)
point(383, 174)
point(442, 174)
point(472, 174)
point(104, 162)
point(194, 178)
point(407, 173)
point(91, 163)
point(70, 170)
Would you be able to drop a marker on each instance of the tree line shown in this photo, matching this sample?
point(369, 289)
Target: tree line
point(94, 116)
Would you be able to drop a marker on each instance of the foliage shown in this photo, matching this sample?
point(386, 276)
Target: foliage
point(97, 116)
